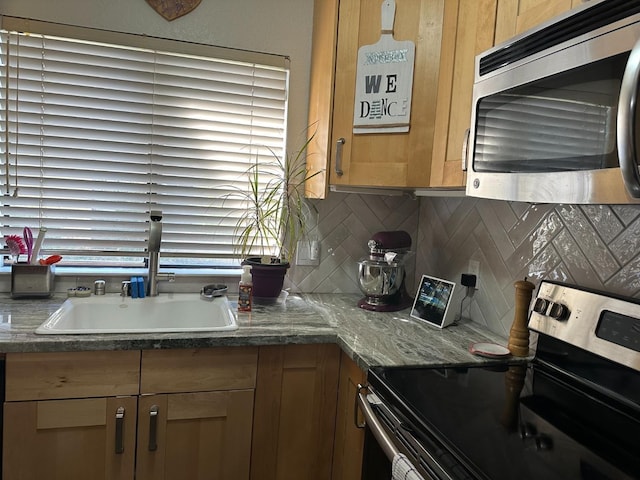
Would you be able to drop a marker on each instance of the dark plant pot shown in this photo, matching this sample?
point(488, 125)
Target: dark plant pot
point(267, 278)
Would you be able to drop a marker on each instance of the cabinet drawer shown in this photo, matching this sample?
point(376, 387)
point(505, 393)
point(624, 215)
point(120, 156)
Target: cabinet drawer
point(37, 376)
point(197, 370)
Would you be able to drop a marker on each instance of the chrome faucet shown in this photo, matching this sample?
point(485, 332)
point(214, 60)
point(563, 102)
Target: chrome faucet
point(155, 237)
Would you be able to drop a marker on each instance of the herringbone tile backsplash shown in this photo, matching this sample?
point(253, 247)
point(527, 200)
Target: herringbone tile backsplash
point(345, 223)
point(595, 246)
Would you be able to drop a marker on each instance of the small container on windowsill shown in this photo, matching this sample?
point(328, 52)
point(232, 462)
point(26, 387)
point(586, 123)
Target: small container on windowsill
point(32, 281)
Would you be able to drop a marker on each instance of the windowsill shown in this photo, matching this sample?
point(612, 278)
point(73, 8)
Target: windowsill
point(186, 279)
point(124, 271)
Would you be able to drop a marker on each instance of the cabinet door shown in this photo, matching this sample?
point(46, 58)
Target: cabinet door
point(468, 30)
point(349, 439)
point(295, 412)
point(385, 159)
point(69, 439)
point(517, 16)
point(323, 62)
point(195, 436)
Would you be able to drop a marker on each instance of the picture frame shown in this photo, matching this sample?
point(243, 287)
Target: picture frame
point(433, 301)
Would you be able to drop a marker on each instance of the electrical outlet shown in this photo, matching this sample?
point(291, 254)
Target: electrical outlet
point(474, 269)
point(308, 253)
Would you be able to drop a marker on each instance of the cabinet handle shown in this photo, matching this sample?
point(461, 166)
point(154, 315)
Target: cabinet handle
point(465, 149)
point(119, 430)
point(153, 428)
point(356, 407)
point(339, 144)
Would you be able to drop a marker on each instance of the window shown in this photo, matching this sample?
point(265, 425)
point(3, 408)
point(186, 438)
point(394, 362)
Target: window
point(98, 128)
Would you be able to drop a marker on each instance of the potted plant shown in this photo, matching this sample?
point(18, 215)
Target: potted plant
point(275, 218)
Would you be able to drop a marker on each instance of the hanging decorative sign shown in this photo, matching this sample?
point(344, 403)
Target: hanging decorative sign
point(172, 9)
point(384, 81)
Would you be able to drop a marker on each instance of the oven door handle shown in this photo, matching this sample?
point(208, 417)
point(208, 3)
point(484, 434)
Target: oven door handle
point(356, 420)
point(375, 426)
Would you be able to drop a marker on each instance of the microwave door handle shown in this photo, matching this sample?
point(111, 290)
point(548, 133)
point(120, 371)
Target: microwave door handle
point(465, 149)
point(626, 120)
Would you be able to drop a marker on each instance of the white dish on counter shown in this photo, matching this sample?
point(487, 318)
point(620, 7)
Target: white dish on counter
point(490, 350)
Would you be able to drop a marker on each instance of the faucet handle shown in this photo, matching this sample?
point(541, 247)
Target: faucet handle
point(168, 276)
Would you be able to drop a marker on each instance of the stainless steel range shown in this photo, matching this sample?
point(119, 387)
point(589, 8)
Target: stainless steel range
point(573, 412)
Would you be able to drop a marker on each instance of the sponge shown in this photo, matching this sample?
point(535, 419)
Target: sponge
point(134, 287)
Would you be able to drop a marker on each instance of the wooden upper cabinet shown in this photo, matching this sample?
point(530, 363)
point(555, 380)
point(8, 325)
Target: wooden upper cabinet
point(468, 30)
point(447, 35)
point(380, 159)
point(517, 16)
point(323, 63)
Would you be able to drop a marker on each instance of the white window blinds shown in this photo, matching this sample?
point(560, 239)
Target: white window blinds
point(95, 135)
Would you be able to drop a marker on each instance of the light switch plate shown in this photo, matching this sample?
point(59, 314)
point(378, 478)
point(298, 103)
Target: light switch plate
point(308, 253)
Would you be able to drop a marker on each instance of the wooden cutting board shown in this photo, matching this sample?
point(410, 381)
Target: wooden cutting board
point(384, 81)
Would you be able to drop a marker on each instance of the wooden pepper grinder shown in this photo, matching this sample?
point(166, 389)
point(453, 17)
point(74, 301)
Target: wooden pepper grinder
point(519, 334)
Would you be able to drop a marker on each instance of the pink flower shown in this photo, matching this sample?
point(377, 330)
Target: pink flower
point(15, 244)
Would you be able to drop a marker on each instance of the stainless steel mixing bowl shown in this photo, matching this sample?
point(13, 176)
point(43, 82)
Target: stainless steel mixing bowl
point(378, 278)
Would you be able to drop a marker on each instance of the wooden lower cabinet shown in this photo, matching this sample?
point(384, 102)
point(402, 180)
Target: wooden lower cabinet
point(234, 413)
point(70, 415)
point(295, 411)
point(70, 439)
point(204, 435)
point(349, 439)
point(189, 418)
point(196, 413)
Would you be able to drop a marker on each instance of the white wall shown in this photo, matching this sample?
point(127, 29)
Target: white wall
point(272, 26)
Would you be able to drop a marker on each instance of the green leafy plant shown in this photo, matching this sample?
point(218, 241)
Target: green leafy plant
point(277, 213)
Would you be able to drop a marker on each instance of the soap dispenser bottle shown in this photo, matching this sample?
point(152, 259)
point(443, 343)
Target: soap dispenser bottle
point(245, 288)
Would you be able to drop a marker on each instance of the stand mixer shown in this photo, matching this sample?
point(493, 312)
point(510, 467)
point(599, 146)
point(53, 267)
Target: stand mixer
point(381, 274)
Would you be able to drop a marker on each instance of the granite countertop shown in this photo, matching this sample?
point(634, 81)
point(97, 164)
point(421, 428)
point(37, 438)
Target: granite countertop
point(369, 338)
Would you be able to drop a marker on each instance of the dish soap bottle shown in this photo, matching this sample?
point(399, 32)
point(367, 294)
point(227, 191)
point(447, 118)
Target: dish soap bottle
point(245, 290)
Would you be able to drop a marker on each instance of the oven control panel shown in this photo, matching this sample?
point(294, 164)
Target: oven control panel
point(619, 329)
point(595, 321)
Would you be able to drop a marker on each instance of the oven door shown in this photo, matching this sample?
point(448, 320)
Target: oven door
point(559, 126)
point(387, 436)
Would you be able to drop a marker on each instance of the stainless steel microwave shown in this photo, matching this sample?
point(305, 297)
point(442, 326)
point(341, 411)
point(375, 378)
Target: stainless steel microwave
point(555, 115)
